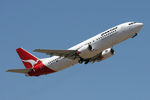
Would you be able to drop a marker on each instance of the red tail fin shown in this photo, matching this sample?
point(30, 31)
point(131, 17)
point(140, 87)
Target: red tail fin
point(28, 59)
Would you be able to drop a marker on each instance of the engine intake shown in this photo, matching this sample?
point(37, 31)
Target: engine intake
point(107, 53)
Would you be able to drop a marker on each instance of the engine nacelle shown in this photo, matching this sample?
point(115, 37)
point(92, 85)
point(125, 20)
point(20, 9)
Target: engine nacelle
point(86, 49)
point(107, 53)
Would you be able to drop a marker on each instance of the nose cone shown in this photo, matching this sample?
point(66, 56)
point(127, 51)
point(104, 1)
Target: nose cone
point(140, 25)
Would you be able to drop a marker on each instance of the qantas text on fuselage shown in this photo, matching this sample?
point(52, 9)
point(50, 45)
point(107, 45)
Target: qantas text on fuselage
point(92, 50)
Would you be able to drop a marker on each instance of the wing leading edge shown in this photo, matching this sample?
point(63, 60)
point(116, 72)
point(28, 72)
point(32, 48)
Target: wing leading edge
point(71, 54)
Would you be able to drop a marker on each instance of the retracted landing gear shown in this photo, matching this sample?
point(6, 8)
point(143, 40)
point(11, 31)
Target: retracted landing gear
point(86, 61)
point(134, 35)
point(81, 60)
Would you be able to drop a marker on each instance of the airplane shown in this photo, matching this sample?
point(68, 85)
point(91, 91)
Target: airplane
point(95, 49)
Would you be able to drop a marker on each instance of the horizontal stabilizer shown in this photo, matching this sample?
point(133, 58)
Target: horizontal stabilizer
point(24, 71)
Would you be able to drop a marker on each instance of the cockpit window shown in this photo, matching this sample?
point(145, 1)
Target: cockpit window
point(132, 23)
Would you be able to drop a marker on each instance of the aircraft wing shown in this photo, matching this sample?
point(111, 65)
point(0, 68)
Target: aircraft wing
point(71, 54)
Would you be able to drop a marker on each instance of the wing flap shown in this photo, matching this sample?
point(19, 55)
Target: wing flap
point(24, 71)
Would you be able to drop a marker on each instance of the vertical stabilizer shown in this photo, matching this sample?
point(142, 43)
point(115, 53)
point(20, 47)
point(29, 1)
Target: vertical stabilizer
point(27, 58)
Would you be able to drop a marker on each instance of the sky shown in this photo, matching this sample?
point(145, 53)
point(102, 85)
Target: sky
point(60, 24)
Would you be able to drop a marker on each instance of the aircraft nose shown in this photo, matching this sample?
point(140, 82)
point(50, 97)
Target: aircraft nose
point(140, 25)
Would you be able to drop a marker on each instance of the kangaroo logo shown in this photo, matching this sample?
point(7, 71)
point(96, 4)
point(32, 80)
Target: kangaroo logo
point(32, 62)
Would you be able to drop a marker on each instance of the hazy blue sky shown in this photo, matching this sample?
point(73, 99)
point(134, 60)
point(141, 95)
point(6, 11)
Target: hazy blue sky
point(60, 24)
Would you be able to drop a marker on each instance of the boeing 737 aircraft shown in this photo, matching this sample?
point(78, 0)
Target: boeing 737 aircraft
point(92, 50)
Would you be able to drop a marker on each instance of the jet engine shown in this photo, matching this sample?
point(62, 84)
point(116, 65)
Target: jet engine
point(103, 55)
point(106, 53)
point(86, 49)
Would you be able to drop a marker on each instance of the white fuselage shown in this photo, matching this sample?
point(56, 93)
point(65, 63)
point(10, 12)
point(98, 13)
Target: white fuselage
point(100, 42)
